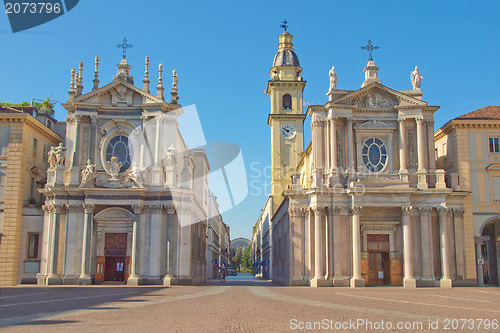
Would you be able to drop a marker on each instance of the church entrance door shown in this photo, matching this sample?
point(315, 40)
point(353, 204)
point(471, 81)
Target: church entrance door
point(378, 259)
point(115, 262)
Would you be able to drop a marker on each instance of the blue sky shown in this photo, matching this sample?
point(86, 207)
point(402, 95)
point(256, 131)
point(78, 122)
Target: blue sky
point(223, 51)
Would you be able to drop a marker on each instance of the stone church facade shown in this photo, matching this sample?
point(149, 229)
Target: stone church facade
point(126, 199)
point(364, 203)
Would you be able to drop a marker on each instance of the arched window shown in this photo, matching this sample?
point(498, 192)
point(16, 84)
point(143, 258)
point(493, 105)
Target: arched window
point(287, 102)
point(118, 147)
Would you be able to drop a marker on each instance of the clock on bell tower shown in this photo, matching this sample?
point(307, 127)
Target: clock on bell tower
point(286, 118)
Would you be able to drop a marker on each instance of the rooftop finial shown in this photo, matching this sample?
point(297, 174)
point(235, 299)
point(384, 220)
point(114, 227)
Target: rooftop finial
point(145, 86)
point(284, 24)
point(159, 88)
point(124, 45)
point(175, 80)
point(72, 87)
point(96, 73)
point(370, 49)
point(79, 86)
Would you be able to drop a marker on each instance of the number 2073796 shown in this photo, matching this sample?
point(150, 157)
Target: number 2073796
point(32, 8)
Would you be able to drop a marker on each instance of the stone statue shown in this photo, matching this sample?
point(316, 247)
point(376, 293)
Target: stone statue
point(114, 167)
point(416, 79)
point(135, 175)
point(89, 173)
point(59, 154)
point(333, 79)
point(171, 151)
point(52, 158)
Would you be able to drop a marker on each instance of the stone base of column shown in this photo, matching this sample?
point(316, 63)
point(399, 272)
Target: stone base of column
point(85, 280)
point(445, 283)
point(134, 280)
point(409, 283)
point(53, 279)
point(357, 282)
point(69, 279)
point(74, 176)
point(403, 175)
point(299, 281)
point(334, 179)
point(317, 175)
point(157, 176)
point(315, 283)
point(170, 280)
point(422, 180)
point(341, 281)
point(59, 176)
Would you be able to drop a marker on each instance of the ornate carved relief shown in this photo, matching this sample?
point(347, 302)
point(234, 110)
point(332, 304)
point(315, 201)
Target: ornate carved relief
point(410, 142)
point(406, 210)
point(354, 210)
point(374, 123)
point(374, 100)
point(339, 147)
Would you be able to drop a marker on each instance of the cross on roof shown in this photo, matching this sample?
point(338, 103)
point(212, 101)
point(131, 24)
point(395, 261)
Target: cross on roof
point(369, 48)
point(284, 24)
point(125, 45)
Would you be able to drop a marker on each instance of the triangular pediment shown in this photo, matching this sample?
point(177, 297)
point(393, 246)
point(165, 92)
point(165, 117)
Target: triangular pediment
point(375, 96)
point(118, 93)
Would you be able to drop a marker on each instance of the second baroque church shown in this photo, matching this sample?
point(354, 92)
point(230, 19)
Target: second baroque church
point(363, 203)
point(126, 200)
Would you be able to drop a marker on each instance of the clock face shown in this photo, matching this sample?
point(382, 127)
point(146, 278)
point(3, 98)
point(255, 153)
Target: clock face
point(288, 131)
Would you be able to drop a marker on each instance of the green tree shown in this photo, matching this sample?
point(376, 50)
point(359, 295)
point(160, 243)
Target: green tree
point(45, 106)
point(236, 259)
point(246, 261)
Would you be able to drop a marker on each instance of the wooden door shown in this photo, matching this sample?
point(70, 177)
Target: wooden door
point(99, 272)
point(378, 259)
point(396, 269)
point(126, 269)
point(365, 269)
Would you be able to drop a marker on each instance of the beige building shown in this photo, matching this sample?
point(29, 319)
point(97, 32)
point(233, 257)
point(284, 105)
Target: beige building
point(126, 199)
point(467, 147)
point(217, 240)
point(364, 203)
point(25, 137)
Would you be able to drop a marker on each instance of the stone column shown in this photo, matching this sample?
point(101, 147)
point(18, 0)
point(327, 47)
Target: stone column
point(93, 142)
point(479, 256)
point(409, 278)
point(171, 243)
point(350, 147)
point(356, 280)
point(87, 224)
point(134, 278)
point(52, 277)
point(430, 143)
point(157, 140)
point(318, 151)
point(309, 243)
point(77, 139)
point(458, 219)
point(156, 246)
point(445, 251)
point(421, 146)
point(333, 143)
point(427, 244)
point(319, 254)
point(403, 168)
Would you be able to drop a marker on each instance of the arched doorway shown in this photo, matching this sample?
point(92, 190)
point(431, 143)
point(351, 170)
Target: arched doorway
point(488, 253)
point(114, 241)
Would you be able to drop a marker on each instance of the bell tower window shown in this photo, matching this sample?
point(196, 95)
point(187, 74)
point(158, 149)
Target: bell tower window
point(287, 102)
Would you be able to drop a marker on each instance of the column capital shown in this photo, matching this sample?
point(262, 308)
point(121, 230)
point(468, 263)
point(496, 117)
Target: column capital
point(73, 207)
point(442, 211)
point(406, 210)
point(170, 209)
point(401, 119)
point(318, 210)
point(155, 207)
point(296, 211)
point(458, 212)
point(354, 210)
point(333, 210)
point(93, 118)
point(419, 119)
point(424, 211)
point(137, 209)
point(318, 122)
point(89, 208)
point(430, 122)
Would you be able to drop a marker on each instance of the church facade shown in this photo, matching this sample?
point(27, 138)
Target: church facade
point(364, 203)
point(126, 200)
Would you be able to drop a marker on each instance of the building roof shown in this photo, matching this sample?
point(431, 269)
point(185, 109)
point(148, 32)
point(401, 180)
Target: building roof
point(488, 112)
point(286, 58)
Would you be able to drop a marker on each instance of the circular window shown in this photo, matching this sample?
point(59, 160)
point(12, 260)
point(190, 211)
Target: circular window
point(118, 147)
point(374, 154)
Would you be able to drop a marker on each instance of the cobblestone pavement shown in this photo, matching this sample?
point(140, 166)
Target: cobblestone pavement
point(243, 305)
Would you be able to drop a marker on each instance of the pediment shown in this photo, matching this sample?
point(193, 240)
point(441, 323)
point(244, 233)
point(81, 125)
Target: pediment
point(118, 93)
point(376, 96)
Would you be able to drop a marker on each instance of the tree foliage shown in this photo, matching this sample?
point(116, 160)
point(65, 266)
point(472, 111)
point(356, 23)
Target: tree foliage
point(246, 261)
point(45, 106)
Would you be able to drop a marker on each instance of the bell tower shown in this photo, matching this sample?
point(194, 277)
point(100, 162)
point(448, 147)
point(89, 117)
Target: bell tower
point(286, 118)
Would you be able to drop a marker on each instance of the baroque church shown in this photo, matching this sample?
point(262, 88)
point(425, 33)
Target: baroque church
point(126, 199)
point(363, 204)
